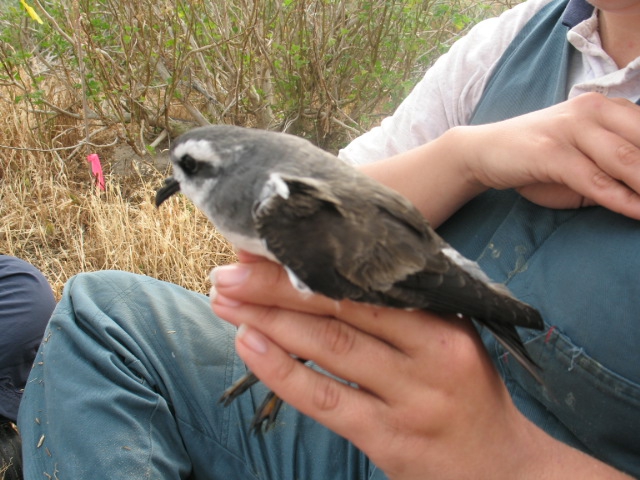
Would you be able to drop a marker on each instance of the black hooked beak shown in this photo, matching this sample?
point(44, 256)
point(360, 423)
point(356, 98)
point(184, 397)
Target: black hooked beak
point(170, 187)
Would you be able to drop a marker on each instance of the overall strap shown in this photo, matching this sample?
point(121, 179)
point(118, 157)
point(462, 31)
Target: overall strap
point(532, 73)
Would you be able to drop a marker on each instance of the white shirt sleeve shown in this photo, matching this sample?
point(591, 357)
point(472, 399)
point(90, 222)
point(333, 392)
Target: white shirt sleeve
point(449, 91)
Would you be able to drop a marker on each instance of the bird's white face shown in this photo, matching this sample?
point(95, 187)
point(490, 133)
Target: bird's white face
point(194, 165)
point(200, 150)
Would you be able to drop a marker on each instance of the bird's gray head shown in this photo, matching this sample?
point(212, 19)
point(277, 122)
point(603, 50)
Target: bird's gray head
point(226, 171)
point(199, 158)
point(206, 157)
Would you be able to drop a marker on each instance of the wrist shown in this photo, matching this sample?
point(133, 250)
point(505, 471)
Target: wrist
point(468, 144)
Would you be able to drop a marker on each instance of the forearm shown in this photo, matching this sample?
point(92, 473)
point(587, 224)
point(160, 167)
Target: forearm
point(570, 155)
point(432, 176)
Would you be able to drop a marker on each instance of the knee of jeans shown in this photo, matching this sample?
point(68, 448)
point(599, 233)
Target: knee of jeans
point(134, 301)
point(94, 280)
point(103, 286)
point(89, 296)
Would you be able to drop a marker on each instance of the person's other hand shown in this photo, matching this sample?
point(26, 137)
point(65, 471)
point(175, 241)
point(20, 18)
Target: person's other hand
point(582, 152)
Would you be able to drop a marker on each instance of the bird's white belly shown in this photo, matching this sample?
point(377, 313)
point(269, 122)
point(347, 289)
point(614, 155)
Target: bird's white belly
point(251, 245)
point(257, 246)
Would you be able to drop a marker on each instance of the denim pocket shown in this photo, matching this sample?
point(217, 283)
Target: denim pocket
point(599, 406)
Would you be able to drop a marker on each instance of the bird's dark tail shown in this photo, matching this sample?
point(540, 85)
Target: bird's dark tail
point(508, 337)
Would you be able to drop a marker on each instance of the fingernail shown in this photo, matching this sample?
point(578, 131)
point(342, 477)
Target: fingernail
point(229, 275)
point(218, 299)
point(252, 339)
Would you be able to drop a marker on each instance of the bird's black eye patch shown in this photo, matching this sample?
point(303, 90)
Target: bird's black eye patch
point(189, 165)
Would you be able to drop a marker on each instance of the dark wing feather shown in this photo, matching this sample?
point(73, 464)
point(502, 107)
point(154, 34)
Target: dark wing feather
point(508, 337)
point(377, 252)
point(308, 233)
point(460, 292)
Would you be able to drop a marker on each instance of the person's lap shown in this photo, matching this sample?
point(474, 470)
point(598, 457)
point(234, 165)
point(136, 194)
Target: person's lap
point(128, 379)
point(26, 303)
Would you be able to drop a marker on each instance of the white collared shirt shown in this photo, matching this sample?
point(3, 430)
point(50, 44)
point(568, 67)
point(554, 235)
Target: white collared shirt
point(448, 93)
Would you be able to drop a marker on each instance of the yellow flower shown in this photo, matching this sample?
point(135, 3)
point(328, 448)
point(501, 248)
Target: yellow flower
point(32, 13)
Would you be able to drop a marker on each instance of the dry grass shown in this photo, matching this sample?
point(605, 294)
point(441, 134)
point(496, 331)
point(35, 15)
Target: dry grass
point(53, 217)
point(102, 74)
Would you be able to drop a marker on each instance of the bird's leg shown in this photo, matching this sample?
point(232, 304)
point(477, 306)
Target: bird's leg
point(265, 416)
point(238, 388)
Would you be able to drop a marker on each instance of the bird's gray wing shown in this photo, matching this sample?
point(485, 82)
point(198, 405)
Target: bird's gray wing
point(378, 250)
point(447, 282)
point(346, 247)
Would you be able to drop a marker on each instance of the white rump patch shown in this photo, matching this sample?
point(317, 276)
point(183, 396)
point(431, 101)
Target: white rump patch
point(470, 266)
point(473, 269)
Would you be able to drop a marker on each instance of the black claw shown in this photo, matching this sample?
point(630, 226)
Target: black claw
point(265, 416)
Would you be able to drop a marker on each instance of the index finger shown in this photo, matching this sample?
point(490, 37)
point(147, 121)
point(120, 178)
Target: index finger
point(267, 284)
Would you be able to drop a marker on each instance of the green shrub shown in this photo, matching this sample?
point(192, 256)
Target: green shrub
point(323, 69)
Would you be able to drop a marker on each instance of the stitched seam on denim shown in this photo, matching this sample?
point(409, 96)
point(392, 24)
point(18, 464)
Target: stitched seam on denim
point(150, 439)
point(228, 378)
point(539, 245)
point(236, 457)
point(532, 254)
point(630, 391)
